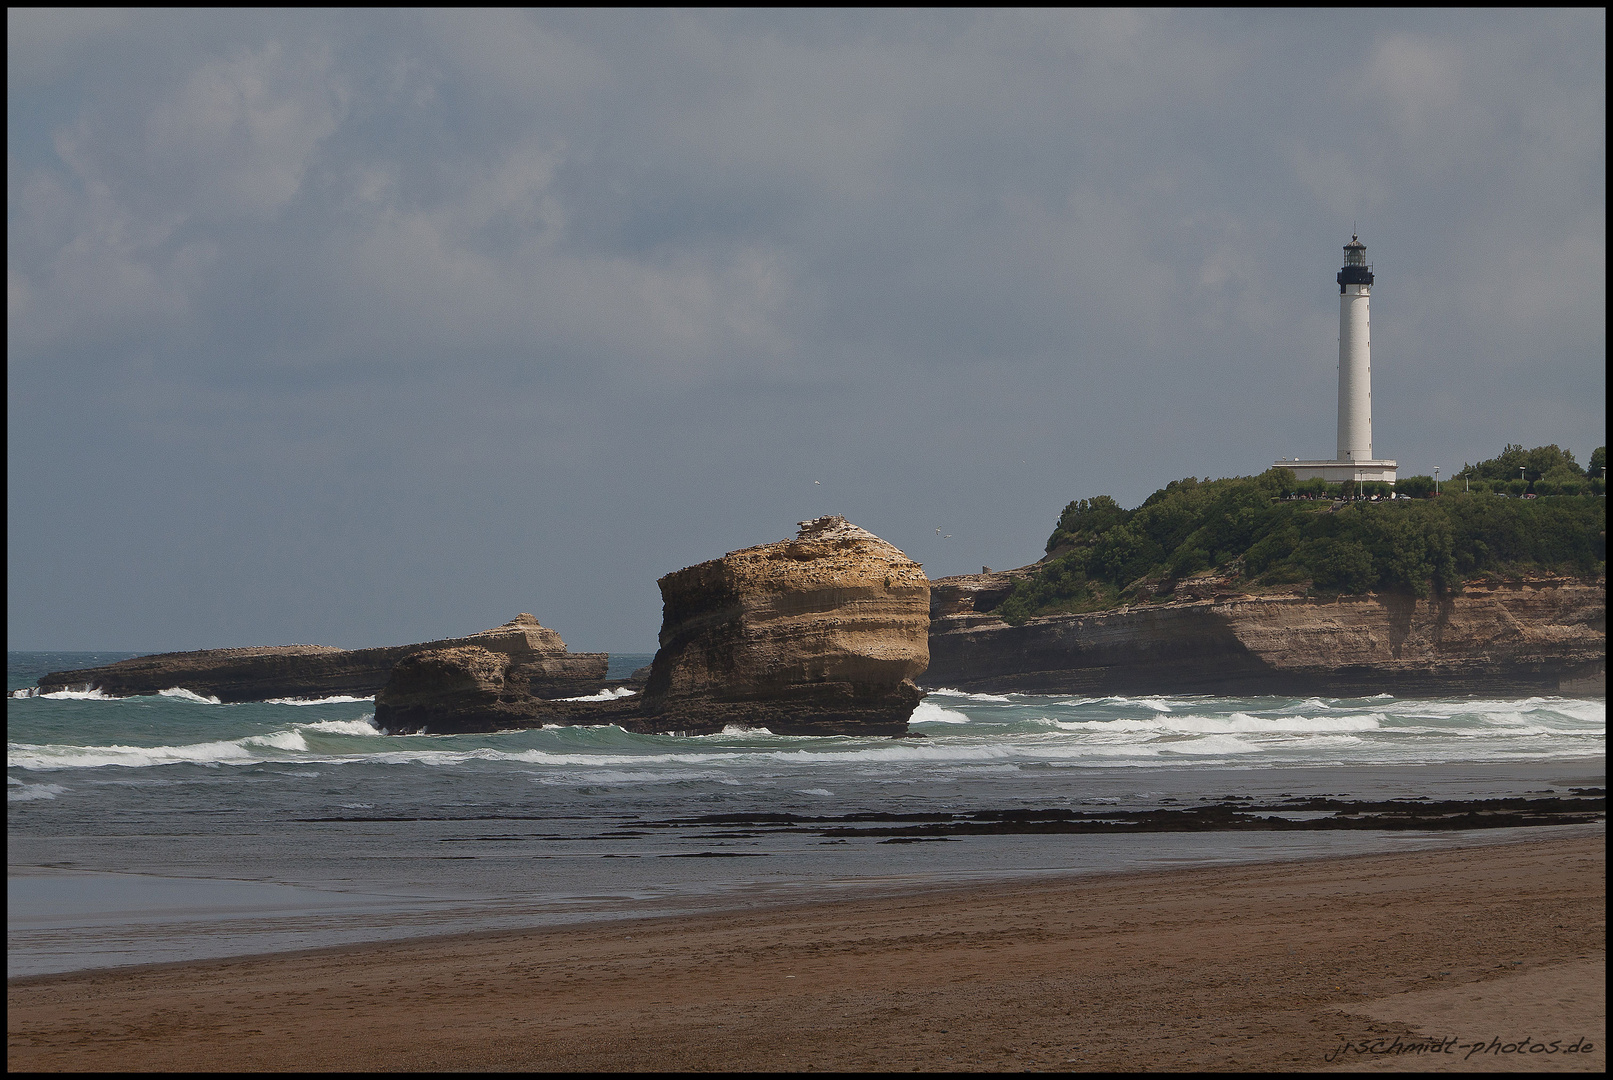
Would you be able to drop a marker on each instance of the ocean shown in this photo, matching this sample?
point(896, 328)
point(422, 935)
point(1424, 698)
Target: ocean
point(172, 827)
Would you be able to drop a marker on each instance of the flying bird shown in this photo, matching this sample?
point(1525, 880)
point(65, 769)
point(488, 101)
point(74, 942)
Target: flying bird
point(948, 536)
point(938, 532)
point(817, 481)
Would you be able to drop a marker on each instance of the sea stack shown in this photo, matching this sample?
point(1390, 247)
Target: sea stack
point(819, 635)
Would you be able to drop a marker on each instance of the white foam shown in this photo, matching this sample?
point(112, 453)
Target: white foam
point(75, 695)
point(1156, 703)
point(278, 740)
point(742, 730)
point(930, 713)
point(17, 791)
point(814, 791)
point(610, 693)
point(282, 746)
point(1211, 744)
point(179, 693)
point(25, 756)
point(971, 697)
point(335, 699)
point(342, 727)
point(1239, 723)
point(25, 692)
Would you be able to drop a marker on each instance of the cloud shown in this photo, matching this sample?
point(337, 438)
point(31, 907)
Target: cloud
point(236, 140)
point(567, 270)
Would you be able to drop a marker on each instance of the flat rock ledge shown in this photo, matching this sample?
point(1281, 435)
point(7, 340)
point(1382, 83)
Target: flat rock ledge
point(819, 635)
point(318, 671)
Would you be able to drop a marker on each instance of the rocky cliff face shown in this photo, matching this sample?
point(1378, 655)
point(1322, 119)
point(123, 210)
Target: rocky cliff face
point(257, 674)
point(822, 634)
point(1542, 636)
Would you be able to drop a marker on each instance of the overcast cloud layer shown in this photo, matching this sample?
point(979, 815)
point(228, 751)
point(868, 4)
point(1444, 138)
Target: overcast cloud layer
point(365, 327)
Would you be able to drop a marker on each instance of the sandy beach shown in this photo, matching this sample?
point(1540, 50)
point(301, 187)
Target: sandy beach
point(1318, 964)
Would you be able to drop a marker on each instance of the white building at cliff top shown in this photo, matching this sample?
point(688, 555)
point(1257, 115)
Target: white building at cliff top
point(1354, 460)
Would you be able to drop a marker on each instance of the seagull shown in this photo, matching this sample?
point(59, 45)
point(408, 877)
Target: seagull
point(817, 481)
point(938, 531)
point(948, 536)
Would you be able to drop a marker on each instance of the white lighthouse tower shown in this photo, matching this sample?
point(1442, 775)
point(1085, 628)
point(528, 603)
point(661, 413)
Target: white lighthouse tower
point(1354, 460)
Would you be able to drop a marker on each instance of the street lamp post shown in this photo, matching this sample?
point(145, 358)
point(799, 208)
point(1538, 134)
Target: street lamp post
point(1436, 479)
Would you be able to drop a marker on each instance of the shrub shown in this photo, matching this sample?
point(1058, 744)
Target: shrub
point(1315, 488)
point(1344, 566)
point(1535, 463)
point(1418, 487)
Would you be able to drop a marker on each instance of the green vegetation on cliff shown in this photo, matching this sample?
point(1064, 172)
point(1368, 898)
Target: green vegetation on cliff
point(1545, 470)
point(1253, 530)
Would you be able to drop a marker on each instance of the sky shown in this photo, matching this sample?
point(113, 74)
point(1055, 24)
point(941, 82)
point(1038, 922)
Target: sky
point(368, 327)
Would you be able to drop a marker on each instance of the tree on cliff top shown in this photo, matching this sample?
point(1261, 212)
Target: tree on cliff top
point(1536, 464)
point(1101, 554)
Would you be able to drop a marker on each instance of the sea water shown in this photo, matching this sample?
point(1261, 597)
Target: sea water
point(173, 827)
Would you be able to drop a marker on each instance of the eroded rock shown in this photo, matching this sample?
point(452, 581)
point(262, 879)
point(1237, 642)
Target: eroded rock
point(1546, 635)
point(316, 671)
point(502, 678)
point(822, 634)
point(819, 635)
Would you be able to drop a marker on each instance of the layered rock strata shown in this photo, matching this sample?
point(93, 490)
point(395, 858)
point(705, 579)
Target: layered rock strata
point(1547, 635)
point(822, 634)
point(315, 671)
point(819, 635)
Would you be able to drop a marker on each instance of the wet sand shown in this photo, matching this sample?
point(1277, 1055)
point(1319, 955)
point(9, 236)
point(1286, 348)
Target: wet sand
point(1261, 967)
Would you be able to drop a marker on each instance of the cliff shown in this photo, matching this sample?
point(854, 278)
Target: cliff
point(1546, 635)
point(312, 671)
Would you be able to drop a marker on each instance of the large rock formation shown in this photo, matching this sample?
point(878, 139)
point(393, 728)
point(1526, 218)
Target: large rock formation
point(1547, 635)
point(822, 634)
point(315, 671)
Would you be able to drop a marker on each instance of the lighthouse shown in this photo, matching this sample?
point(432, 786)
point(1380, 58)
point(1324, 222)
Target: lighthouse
point(1353, 459)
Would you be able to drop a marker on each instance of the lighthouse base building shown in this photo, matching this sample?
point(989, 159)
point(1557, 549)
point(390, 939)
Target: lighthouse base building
point(1336, 472)
point(1354, 460)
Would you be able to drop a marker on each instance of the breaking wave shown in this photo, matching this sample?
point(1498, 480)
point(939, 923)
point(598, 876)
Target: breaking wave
point(610, 693)
point(65, 695)
point(179, 693)
point(930, 713)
